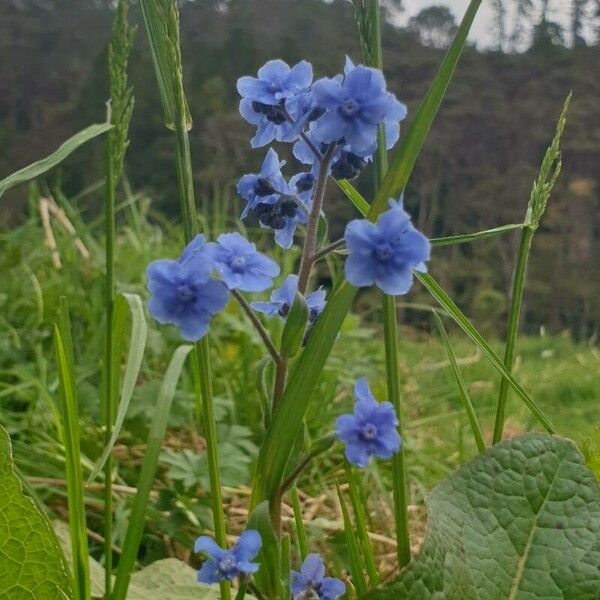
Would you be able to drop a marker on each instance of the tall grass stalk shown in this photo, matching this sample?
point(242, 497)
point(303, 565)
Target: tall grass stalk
point(538, 200)
point(120, 110)
point(162, 16)
point(369, 20)
point(63, 346)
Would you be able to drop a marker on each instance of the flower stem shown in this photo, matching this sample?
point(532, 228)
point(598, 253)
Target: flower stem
point(312, 226)
point(201, 355)
point(258, 326)
point(513, 326)
point(390, 323)
point(109, 395)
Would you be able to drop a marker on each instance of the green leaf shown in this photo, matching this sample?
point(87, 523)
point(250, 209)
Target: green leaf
point(268, 577)
point(520, 521)
point(358, 576)
point(127, 306)
point(170, 579)
point(63, 345)
point(148, 471)
point(466, 238)
point(354, 196)
point(295, 327)
point(434, 288)
point(415, 134)
point(42, 166)
point(31, 562)
point(460, 382)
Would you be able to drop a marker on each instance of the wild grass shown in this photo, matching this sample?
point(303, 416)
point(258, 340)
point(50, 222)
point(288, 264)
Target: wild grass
point(561, 375)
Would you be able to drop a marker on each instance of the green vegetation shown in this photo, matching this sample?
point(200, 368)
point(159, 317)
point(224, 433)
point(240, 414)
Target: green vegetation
point(561, 375)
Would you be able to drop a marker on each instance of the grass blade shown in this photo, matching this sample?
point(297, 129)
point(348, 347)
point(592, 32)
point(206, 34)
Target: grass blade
point(466, 238)
point(358, 577)
point(434, 288)
point(148, 471)
point(360, 517)
point(155, 21)
point(354, 196)
point(63, 346)
point(542, 188)
point(460, 382)
point(45, 164)
point(127, 306)
point(299, 523)
point(413, 138)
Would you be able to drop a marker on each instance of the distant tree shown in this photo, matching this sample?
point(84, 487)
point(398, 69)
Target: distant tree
point(499, 8)
point(578, 14)
point(435, 26)
point(522, 18)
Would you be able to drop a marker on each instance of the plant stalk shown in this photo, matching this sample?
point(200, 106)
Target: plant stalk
point(390, 322)
point(513, 326)
point(109, 392)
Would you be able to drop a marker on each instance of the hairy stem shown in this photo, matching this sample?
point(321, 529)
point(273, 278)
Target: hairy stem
point(337, 245)
point(312, 225)
point(257, 325)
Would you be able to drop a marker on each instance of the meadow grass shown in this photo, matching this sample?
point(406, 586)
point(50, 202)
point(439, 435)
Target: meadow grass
point(561, 375)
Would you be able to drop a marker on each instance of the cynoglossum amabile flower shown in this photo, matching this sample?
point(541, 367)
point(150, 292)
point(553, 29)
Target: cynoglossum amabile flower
point(283, 298)
point(370, 430)
point(311, 581)
point(222, 564)
point(240, 265)
point(385, 253)
point(183, 292)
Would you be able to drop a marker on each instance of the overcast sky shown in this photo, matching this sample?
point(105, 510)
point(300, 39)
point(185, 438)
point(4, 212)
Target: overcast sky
point(482, 32)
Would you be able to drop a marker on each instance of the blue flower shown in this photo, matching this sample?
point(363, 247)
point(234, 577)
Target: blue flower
point(240, 265)
point(385, 253)
point(281, 123)
point(311, 582)
point(276, 82)
point(183, 293)
point(266, 186)
point(355, 106)
point(283, 298)
point(228, 564)
point(370, 430)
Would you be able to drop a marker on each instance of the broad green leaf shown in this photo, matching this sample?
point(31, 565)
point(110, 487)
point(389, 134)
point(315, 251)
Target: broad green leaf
point(156, 437)
point(413, 138)
point(31, 562)
point(42, 166)
point(519, 522)
point(170, 579)
point(61, 529)
point(126, 307)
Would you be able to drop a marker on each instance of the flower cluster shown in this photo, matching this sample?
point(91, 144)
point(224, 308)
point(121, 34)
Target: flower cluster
point(336, 118)
point(185, 293)
point(333, 124)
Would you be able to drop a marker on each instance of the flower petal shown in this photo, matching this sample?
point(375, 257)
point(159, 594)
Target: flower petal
point(248, 545)
point(313, 568)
